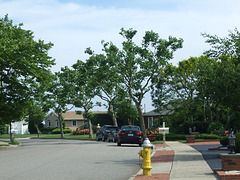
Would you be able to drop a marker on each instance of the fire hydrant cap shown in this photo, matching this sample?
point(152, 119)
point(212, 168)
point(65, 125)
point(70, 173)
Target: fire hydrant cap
point(147, 143)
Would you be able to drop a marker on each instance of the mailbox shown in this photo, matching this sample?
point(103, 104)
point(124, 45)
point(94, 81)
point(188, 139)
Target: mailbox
point(163, 130)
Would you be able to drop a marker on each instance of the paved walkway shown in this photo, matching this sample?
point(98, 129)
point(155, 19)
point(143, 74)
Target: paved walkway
point(177, 161)
point(3, 143)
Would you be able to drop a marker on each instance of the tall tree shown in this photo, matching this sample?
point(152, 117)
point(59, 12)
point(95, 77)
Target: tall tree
point(84, 89)
point(226, 51)
point(107, 81)
point(36, 115)
point(24, 63)
point(180, 83)
point(138, 65)
point(59, 95)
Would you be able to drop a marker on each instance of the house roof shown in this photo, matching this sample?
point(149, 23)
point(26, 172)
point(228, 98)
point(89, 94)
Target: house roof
point(163, 112)
point(72, 115)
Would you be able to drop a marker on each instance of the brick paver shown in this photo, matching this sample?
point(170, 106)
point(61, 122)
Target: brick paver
point(163, 156)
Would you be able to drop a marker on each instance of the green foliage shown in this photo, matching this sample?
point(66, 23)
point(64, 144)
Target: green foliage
point(126, 113)
point(32, 129)
point(102, 119)
point(176, 137)
point(135, 66)
point(24, 68)
point(58, 131)
point(237, 147)
point(224, 140)
point(3, 129)
point(207, 136)
point(214, 127)
point(46, 130)
point(84, 126)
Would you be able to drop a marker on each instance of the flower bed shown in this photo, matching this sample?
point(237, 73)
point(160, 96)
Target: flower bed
point(81, 132)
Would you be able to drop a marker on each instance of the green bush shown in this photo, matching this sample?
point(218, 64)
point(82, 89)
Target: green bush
point(84, 126)
point(46, 130)
point(3, 129)
point(176, 137)
point(215, 126)
point(207, 136)
point(224, 140)
point(65, 131)
point(237, 147)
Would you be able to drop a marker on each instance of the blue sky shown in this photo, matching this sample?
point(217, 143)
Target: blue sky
point(74, 25)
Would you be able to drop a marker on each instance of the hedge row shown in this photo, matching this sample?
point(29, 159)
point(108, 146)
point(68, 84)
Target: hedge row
point(176, 137)
point(57, 131)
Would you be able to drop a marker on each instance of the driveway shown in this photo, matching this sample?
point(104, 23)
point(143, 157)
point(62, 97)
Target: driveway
point(68, 159)
point(210, 156)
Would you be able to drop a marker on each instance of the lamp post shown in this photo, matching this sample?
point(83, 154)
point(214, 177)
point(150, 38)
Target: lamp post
point(231, 142)
point(98, 127)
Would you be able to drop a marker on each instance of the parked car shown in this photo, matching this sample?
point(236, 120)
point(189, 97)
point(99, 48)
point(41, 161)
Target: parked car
point(130, 135)
point(112, 136)
point(103, 133)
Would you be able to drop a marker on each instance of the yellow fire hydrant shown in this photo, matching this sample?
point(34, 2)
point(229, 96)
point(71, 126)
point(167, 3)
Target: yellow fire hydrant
point(146, 155)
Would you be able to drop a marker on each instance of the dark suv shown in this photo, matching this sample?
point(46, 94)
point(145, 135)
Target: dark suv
point(130, 135)
point(103, 133)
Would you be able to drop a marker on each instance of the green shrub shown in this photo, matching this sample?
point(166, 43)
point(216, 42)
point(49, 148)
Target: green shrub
point(67, 131)
point(237, 147)
point(84, 126)
point(176, 137)
point(237, 135)
point(58, 131)
point(46, 130)
point(215, 127)
point(224, 140)
point(3, 129)
point(207, 136)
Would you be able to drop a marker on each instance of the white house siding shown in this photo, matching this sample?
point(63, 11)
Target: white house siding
point(20, 127)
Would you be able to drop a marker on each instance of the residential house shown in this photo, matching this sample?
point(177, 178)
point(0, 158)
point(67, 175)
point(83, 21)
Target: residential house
point(149, 117)
point(20, 127)
point(71, 118)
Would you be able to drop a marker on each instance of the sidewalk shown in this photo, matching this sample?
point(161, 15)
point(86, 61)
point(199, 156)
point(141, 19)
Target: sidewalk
point(3, 143)
point(177, 161)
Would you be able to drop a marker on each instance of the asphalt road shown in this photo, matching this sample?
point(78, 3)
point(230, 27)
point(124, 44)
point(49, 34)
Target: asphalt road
point(39, 159)
point(211, 156)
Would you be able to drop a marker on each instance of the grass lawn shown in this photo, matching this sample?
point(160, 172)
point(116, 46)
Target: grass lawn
point(7, 136)
point(66, 136)
point(48, 136)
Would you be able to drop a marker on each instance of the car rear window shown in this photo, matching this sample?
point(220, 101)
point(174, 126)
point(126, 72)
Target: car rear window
point(111, 128)
point(134, 128)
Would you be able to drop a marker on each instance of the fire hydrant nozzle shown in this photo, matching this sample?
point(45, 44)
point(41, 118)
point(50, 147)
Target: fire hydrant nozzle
point(146, 155)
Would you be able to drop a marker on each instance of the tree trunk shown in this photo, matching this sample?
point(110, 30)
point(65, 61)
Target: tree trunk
point(217, 113)
point(130, 122)
point(90, 128)
point(89, 123)
point(140, 113)
point(11, 134)
point(204, 110)
point(110, 109)
point(38, 132)
point(60, 125)
point(209, 112)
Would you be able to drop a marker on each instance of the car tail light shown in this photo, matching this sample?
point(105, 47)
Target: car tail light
point(139, 133)
point(122, 133)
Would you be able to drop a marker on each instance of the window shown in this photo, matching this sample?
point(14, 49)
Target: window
point(74, 123)
point(150, 122)
point(48, 123)
point(56, 123)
